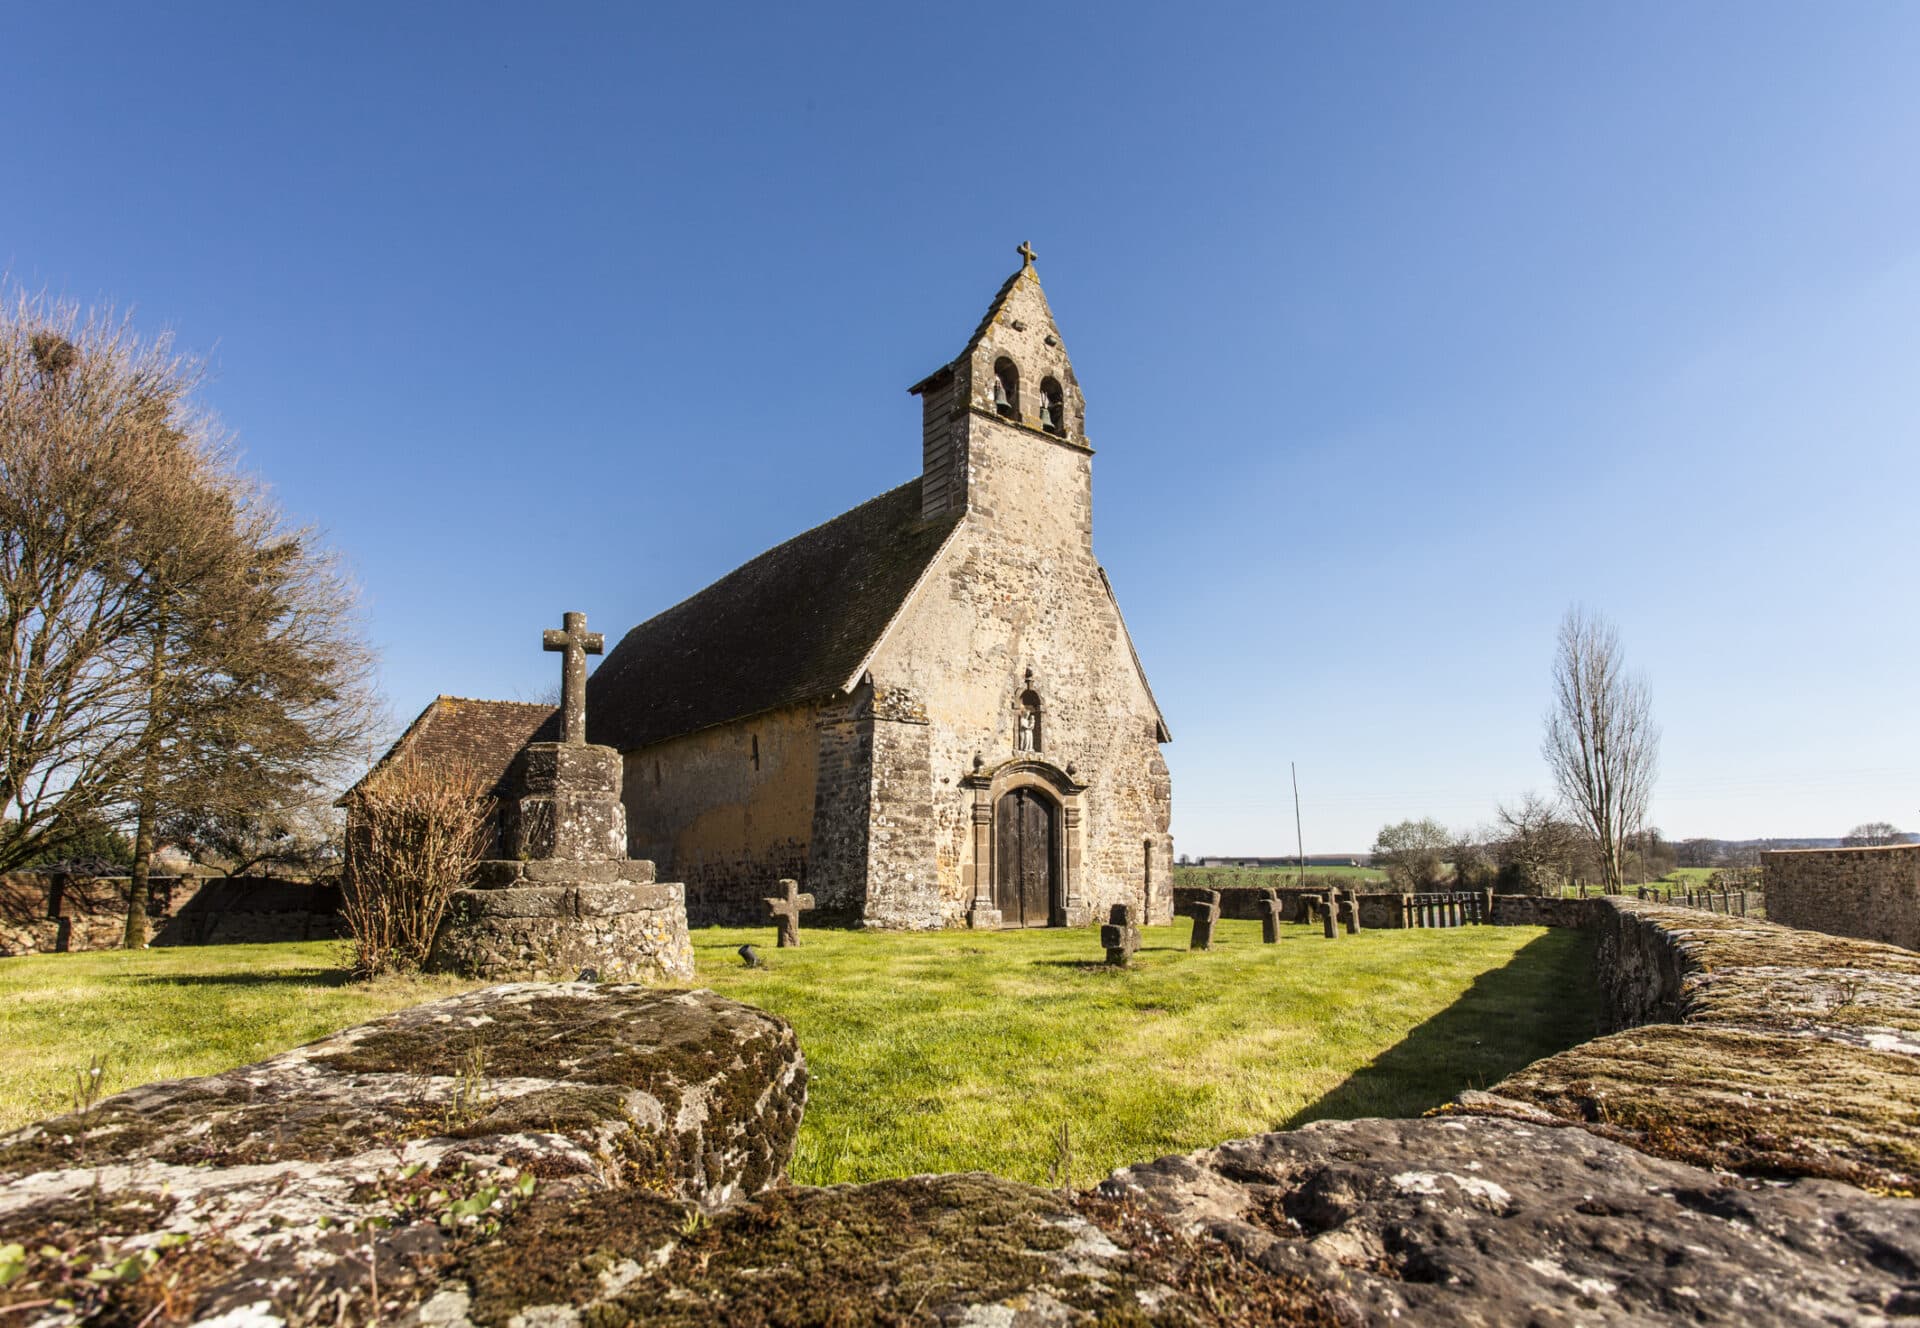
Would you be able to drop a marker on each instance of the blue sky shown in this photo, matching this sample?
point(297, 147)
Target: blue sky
point(1401, 327)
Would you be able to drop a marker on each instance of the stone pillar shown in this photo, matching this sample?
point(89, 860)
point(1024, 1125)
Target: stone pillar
point(983, 915)
point(1076, 913)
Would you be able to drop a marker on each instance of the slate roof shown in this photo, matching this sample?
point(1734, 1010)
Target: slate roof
point(791, 625)
point(484, 735)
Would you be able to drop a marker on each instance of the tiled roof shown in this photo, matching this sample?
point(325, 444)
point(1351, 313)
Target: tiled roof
point(483, 735)
point(789, 626)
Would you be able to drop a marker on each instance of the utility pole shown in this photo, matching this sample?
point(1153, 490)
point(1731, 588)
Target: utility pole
point(1299, 840)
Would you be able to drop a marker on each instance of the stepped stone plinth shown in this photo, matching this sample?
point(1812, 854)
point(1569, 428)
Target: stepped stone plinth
point(569, 899)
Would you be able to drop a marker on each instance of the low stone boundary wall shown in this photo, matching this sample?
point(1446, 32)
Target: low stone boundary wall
point(1869, 893)
point(1742, 1045)
point(55, 914)
point(1543, 911)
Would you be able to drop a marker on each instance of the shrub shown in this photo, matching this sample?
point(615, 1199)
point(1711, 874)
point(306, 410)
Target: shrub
point(415, 833)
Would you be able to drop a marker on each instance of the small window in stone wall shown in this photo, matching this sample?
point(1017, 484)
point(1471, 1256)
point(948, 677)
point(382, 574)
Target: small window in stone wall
point(756, 751)
point(1006, 389)
point(1053, 408)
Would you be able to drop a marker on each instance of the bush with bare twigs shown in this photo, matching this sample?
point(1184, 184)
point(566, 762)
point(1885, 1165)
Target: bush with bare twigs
point(415, 833)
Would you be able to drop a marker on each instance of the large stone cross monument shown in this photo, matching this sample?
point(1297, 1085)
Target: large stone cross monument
point(569, 898)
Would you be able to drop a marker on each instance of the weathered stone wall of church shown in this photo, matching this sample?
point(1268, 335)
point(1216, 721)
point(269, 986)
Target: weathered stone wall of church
point(727, 810)
point(842, 802)
point(1025, 594)
point(903, 888)
point(872, 855)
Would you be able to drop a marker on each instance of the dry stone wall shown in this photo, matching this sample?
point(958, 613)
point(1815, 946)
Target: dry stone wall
point(51, 914)
point(1870, 893)
point(1741, 1045)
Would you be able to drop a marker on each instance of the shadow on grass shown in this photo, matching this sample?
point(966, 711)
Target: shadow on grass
point(311, 977)
point(1541, 1001)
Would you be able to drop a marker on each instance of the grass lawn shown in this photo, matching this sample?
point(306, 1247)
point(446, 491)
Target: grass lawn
point(966, 1050)
point(169, 1013)
point(948, 1051)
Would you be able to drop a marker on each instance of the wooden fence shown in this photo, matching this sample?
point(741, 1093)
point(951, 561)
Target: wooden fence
point(1452, 908)
point(1734, 903)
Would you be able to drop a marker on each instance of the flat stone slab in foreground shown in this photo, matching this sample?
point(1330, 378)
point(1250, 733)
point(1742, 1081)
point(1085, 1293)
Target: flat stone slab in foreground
point(1442, 1221)
point(411, 1133)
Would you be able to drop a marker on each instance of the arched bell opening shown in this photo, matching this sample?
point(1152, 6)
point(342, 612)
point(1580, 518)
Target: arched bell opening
point(1053, 408)
point(1006, 389)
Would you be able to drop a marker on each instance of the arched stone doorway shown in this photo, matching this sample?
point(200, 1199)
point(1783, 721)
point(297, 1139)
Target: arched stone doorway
point(1026, 853)
point(1026, 845)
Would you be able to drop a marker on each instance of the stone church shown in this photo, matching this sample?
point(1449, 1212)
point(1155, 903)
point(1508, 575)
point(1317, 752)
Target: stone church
point(928, 709)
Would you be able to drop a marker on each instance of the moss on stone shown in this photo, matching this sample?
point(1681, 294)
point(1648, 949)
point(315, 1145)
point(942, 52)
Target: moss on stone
point(926, 1249)
point(1752, 1102)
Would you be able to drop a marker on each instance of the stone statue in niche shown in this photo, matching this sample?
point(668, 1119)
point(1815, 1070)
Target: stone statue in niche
point(1029, 726)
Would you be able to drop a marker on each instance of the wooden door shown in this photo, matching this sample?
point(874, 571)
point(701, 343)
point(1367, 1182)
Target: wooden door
point(1023, 884)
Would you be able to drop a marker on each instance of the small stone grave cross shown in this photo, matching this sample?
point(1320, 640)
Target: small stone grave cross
point(786, 907)
point(1271, 907)
point(1350, 912)
point(1120, 936)
point(1328, 909)
point(576, 643)
point(1205, 911)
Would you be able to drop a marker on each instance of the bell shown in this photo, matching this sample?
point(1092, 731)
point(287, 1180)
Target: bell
point(1000, 393)
point(1046, 415)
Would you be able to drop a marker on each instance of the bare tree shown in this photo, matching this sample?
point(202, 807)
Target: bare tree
point(1537, 846)
point(1601, 742)
point(1472, 856)
point(1872, 833)
point(1413, 853)
point(91, 460)
point(173, 652)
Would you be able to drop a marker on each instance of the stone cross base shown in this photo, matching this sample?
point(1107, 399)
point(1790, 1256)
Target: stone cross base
point(569, 806)
point(547, 921)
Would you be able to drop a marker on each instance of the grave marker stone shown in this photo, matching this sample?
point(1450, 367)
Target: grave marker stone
point(1120, 936)
point(1205, 911)
point(786, 908)
point(1271, 907)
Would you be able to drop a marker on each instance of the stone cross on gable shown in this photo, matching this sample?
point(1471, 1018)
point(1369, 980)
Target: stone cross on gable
point(786, 908)
point(576, 643)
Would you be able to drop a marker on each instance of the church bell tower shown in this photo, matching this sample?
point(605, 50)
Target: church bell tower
point(1003, 426)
